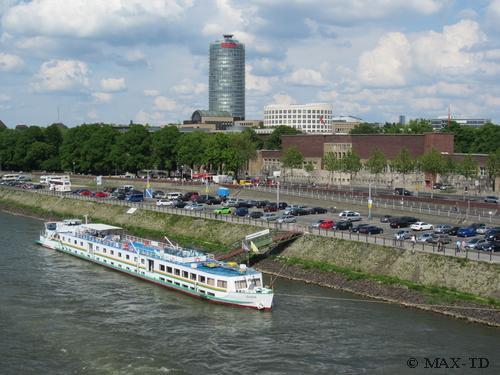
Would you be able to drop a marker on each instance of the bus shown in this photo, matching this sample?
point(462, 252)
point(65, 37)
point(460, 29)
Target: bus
point(59, 183)
point(44, 180)
point(11, 177)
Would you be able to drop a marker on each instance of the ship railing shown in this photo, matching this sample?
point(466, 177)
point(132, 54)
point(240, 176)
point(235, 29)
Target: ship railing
point(102, 241)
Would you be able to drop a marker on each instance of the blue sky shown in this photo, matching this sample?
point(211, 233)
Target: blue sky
point(147, 60)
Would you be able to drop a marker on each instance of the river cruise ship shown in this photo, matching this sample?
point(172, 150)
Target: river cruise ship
point(185, 270)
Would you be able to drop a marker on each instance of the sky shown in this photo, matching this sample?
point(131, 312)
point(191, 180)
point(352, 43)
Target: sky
point(116, 61)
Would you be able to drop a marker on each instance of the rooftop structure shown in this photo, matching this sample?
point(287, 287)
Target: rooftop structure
point(309, 118)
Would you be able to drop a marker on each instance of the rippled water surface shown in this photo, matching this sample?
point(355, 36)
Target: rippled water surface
point(62, 315)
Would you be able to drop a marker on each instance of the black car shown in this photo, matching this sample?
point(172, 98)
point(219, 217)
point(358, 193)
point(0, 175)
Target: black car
point(386, 218)
point(358, 227)
point(344, 225)
point(261, 204)
point(371, 229)
point(299, 212)
point(410, 219)
point(245, 204)
point(255, 214)
point(187, 196)
point(180, 204)
point(213, 200)
point(494, 247)
point(399, 223)
point(401, 191)
point(452, 231)
point(318, 210)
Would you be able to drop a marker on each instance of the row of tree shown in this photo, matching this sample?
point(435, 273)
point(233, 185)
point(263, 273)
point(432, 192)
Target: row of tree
point(432, 163)
point(102, 149)
point(484, 139)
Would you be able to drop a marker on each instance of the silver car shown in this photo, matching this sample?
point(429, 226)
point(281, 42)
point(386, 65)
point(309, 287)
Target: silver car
point(286, 219)
point(269, 216)
point(424, 237)
point(315, 224)
point(403, 234)
point(441, 228)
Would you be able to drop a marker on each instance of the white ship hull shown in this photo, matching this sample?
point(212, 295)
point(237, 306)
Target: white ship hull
point(256, 300)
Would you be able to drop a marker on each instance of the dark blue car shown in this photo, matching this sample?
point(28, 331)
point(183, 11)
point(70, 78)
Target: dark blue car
point(466, 232)
point(135, 198)
point(241, 211)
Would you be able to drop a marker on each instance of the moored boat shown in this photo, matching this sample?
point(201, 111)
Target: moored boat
point(189, 271)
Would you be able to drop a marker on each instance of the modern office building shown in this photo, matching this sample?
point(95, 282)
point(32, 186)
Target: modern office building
point(308, 118)
point(402, 120)
point(440, 122)
point(344, 124)
point(226, 77)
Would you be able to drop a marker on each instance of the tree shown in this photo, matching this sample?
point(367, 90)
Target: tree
point(403, 163)
point(493, 167)
point(351, 163)
point(241, 150)
point(376, 163)
point(163, 145)
point(292, 158)
point(468, 168)
point(433, 163)
point(331, 163)
point(365, 128)
point(274, 140)
point(309, 168)
point(190, 149)
point(215, 154)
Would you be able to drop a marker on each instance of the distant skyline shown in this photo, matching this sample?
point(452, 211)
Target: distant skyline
point(147, 61)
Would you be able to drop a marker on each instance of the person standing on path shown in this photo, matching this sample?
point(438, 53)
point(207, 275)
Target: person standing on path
point(458, 246)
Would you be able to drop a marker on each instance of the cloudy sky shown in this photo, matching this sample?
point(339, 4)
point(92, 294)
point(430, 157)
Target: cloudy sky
point(147, 60)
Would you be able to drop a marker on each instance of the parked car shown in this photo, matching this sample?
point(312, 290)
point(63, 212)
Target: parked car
point(213, 201)
point(424, 237)
point(399, 223)
point(442, 228)
point(483, 245)
point(439, 238)
point(315, 224)
point(327, 224)
point(386, 218)
point(466, 232)
point(292, 207)
point(286, 219)
point(482, 229)
point(371, 229)
point(241, 211)
point(318, 210)
point(492, 233)
point(437, 185)
point(269, 216)
point(356, 228)
point(194, 206)
point(491, 199)
point(135, 197)
point(299, 211)
point(85, 193)
point(185, 197)
point(344, 225)
point(223, 211)
point(401, 191)
point(452, 231)
point(271, 208)
point(350, 215)
point(180, 204)
point(421, 225)
point(255, 214)
point(493, 247)
point(159, 194)
point(410, 219)
point(245, 204)
point(262, 204)
point(165, 202)
point(472, 243)
point(231, 202)
point(403, 234)
point(100, 194)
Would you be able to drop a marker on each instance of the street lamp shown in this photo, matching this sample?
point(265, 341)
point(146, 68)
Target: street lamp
point(370, 202)
point(73, 167)
point(278, 193)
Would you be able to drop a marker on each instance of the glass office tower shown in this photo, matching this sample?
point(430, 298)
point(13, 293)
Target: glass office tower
point(226, 82)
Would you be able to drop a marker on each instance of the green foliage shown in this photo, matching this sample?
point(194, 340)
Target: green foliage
point(377, 162)
point(432, 162)
point(309, 167)
point(351, 163)
point(493, 166)
point(292, 158)
point(274, 140)
point(485, 139)
point(331, 163)
point(403, 162)
point(365, 128)
point(468, 167)
point(163, 144)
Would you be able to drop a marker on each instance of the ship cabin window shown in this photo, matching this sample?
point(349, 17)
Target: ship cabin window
point(81, 243)
point(97, 248)
point(169, 269)
point(211, 294)
point(111, 252)
point(177, 272)
point(191, 287)
point(127, 256)
point(201, 279)
point(240, 284)
point(142, 261)
point(185, 286)
point(178, 284)
point(75, 242)
point(120, 255)
point(104, 251)
point(192, 276)
point(162, 278)
point(185, 274)
point(162, 267)
point(202, 291)
point(222, 283)
point(210, 281)
point(169, 281)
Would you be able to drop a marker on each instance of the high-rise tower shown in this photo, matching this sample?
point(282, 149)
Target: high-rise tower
point(226, 77)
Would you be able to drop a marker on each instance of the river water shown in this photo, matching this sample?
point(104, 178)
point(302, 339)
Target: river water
point(62, 315)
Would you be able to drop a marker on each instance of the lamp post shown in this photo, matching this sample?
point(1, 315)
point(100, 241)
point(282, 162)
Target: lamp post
point(277, 193)
point(73, 167)
point(370, 202)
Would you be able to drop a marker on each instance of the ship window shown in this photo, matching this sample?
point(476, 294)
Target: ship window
point(162, 278)
point(210, 281)
point(169, 269)
point(191, 287)
point(184, 286)
point(113, 263)
point(111, 252)
point(120, 255)
point(169, 281)
point(211, 294)
point(104, 251)
point(193, 276)
point(178, 284)
point(75, 242)
point(162, 267)
point(185, 274)
point(142, 261)
point(202, 291)
point(81, 243)
point(201, 279)
point(97, 248)
point(222, 283)
point(240, 284)
point(127, 256)
point(177, 272)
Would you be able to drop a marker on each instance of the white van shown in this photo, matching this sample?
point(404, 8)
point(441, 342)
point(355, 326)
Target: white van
point(173, 195)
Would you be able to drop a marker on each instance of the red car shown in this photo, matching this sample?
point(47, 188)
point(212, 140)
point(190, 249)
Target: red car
point(327, 224)
point(85, 193)
point(100, 194)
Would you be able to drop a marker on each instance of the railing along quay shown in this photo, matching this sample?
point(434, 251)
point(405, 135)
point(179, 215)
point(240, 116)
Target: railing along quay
point(446, 250)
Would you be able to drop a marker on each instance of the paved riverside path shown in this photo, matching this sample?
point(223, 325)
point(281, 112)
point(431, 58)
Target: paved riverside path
point(448, 250)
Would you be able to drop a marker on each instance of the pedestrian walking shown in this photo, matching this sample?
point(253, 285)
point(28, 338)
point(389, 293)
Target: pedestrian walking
point(413, 241)
point(458, 246)
point(462, 246)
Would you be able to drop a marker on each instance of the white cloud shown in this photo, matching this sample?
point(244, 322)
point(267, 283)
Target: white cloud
point(328, 96)
point(4, 98)
point(143, 117)
point(91, 18)
point(450, 52)
point(189, 87)
point(103, 97)
point(93, 115)
point(387, 64)
point(283, 99)
point(212, 29)
point(10, 62)
point(493, 14)
point(151, 92)
point(162, 103)
point(256, 83)
point(306, 77)
point(113, 84)
point(36, 43)
point(61, 75)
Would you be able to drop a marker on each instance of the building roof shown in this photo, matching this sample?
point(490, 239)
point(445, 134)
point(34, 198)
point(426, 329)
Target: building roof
point(205, 113)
